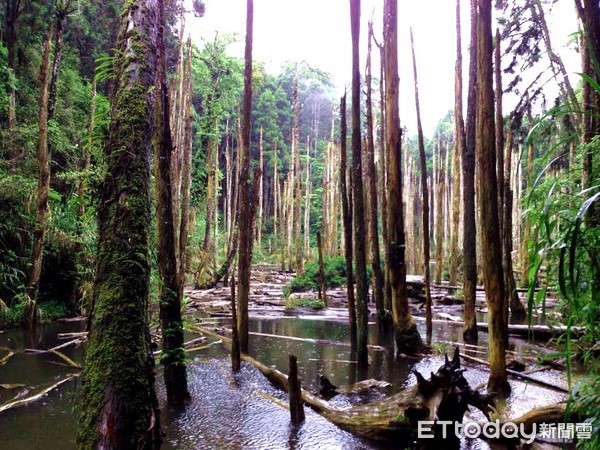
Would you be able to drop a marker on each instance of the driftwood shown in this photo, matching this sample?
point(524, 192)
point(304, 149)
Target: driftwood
point(314, 341)
point(516, 374)
point(7, 357)
point(39, 395)
point(540, 332)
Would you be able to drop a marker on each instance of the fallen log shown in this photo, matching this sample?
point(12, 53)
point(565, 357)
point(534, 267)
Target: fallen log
point(7, 357)
point(538, 332)
point(39, 395)
point(516, 374)
point(314, 341)
point(396, 417)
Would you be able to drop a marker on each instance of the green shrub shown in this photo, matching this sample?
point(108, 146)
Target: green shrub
point(292, 303)
point(335, 276)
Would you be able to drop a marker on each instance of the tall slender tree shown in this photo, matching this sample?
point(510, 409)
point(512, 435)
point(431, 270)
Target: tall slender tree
point(173, 353)
point(459, 146)
point(362, 293)
point(488, 201)
point(117, 403)
point(31, 309)
point(425, 194)
point(408, 339)
point(378, 281)
point(468, 165)
point(347, 221)
point(245, 222)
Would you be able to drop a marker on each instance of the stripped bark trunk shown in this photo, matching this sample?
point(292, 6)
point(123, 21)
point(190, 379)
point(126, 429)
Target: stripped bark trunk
point(347, 216)
point(439, 212)
point(407, 336)
point(459, 146)
point(358, 206)
point(378, 280)
point(488, 200)
point(425, 194)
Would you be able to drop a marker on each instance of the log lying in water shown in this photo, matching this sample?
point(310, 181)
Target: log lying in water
point(538, 332)
point(39, 395)
point(395, 417)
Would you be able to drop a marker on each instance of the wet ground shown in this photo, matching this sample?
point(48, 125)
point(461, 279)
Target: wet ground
point(245, 411)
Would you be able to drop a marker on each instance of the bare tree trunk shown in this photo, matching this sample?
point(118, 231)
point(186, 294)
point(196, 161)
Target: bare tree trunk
point(347, 222)
point(468, 165)
point(491, 246)
point(459, 148)
point(31, 310)
point(439, 212)
point(516, 307)
point(425, 193)
point(408, 339)
point(296, 188)
point(260, 191)
point(307, 191)
point(322, 283)
point(245, 223)
point(359, 212)
point(186, 170)
point(173, 356)
point(117, 405)
point(527, 224)
point(378, 280)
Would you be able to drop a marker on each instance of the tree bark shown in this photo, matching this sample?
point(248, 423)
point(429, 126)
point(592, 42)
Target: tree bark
point(37, 253)
point(322, 283)
point(486, 154)
point(245, 222)
point(378, 281)
point(295, 392)
point(117, 405)
point(186, 169)
point(359, 212)
point(408, 339)
point(439, 212)
point(173, 353)
point(468, 165)
point(460, 142)
point(425, 194)
point(347, 216)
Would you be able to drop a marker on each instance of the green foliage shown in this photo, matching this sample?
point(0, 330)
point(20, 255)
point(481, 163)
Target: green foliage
point(291, 303)
point(335, 276)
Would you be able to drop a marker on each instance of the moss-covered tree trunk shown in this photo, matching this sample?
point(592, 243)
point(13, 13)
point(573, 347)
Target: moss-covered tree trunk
point(347, 221)
point(31, 310)
point(186, 169)
point(173, 354)
point(245, 194)
point(117, 404)
point(378, 281)
point(488, 188)
point(359, 230)
point(425, 195)
point(468, 165)
point(408, 339)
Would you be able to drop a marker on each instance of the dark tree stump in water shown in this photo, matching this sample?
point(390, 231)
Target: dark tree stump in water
point(295, 391)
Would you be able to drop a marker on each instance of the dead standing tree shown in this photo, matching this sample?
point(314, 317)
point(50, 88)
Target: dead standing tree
point(408, 339)
point(245, 193)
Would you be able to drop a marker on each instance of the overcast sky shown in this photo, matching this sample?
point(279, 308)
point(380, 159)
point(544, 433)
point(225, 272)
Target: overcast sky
point(318, 31)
